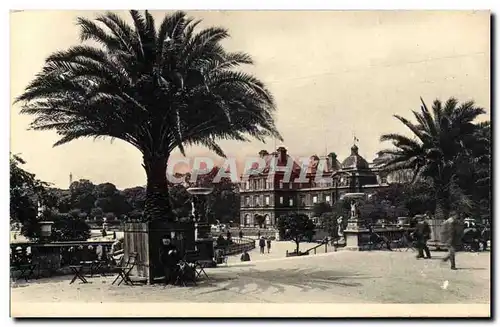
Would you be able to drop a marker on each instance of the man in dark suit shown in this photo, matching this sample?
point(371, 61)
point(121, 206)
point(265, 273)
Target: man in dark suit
point(169, 258)
point(422, 235)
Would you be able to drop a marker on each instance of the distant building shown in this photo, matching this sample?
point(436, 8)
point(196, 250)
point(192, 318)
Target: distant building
point(271, 197)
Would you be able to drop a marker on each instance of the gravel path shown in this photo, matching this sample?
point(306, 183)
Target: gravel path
point(340, 277)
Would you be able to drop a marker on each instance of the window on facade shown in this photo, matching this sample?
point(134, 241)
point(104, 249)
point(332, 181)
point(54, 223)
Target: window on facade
point(256, 199)
point(268, 220)
point(315, 199)
point(327, 199)
point(281, 200)
point(281, 184)
point(267, 200)
point(247, 185)
point(247, 200)
point(290, 202)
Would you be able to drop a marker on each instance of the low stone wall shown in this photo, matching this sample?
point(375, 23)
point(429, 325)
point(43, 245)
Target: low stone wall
point(56, 257)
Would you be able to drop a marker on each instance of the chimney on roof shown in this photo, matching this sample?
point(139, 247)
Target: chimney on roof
point(281, 154)
point(333, 164)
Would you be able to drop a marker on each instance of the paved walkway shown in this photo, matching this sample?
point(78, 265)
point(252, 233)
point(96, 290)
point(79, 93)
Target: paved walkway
point(278, 250)
point(339, 277)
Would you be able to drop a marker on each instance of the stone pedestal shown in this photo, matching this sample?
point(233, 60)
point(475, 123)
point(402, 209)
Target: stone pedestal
point(357, 237)
point(204, 242)
point(356, 240)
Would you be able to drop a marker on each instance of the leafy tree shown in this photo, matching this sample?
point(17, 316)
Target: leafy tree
point(296, 227)
point(342, 208)
point(136, 197)
point(25, 191)
point(96, 213)
point(109, 199)
point(439, 138)
point(320, 208)
point(329, 223)
point(70, 227)
point(83, 195)
point(158, 90)
point(110, 216)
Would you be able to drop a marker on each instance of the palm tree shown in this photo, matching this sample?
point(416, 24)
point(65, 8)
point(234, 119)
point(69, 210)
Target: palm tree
point(158, 90)
point(474, 171)
point(439, 139)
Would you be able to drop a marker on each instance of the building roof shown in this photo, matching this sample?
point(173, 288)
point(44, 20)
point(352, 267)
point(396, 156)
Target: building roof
point(281, 159)
point(330, 165)
point(355, 161)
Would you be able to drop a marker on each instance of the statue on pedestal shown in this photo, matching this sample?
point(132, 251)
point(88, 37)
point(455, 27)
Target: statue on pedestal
point(354, 210)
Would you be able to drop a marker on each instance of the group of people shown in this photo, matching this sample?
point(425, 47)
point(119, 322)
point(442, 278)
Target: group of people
point(451, 235)
point(263, 244)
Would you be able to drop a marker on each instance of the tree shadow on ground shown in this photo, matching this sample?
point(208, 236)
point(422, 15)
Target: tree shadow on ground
point(279, 279)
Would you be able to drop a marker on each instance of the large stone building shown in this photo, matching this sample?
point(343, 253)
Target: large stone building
point(265, 192)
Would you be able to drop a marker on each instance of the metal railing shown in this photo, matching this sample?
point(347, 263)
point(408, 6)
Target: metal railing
point(314, 248)
point(240, 245)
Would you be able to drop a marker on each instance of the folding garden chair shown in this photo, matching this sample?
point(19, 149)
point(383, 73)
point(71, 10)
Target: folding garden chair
point(124, 272)
point(185, 273)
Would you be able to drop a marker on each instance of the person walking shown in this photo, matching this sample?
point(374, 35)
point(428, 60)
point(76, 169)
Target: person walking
point(262, 244)
point(241, 234)
point(451, 237)
point(422, 235)
point(268, 243)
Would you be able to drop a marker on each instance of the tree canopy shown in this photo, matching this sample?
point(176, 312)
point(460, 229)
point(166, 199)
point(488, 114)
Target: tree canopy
point(156, 88)
point(440, 137)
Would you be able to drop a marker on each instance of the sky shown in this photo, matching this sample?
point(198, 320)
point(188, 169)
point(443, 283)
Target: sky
point(334, 75)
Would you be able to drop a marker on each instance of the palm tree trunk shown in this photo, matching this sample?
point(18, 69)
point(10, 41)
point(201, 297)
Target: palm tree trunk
point(441, 213)
point(157, 205)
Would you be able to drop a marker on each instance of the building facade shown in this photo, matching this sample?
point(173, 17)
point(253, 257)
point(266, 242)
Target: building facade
point(267, 193)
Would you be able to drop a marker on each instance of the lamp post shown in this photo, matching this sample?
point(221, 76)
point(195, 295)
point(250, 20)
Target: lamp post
point(203, 239)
